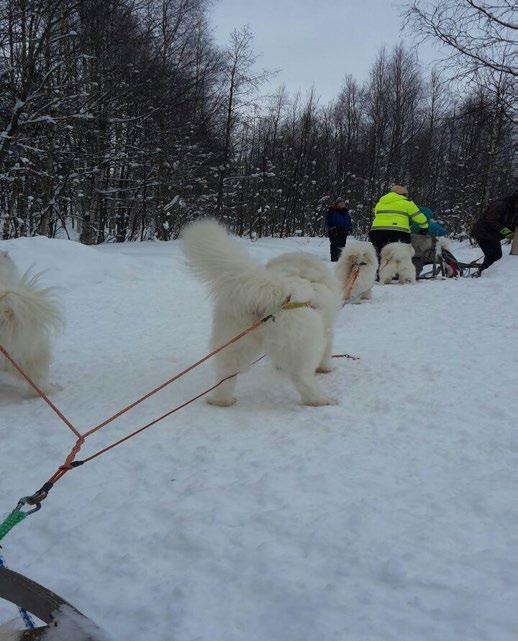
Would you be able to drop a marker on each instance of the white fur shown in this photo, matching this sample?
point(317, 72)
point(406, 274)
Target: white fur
point(442, 243)
point(28, 317)
point(396, 258)
point(298, 341)
point(364, 256)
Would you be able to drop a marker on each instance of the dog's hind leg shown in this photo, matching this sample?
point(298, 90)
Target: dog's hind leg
point(223, 395)
point(326, 364)
point(232, 360)
point(298, 349)
point(407, 275)
point(387, 275)
point(305, 384)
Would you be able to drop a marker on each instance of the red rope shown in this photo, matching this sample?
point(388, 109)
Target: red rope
point(41, 393)
point(81, 438)
point(179, 407)
point(350, 284)
point(177, 376)
point(160, 418)
point(70, 460)
point(175, 409)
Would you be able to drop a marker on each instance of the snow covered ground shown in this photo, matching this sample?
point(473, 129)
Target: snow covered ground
point(391, 517)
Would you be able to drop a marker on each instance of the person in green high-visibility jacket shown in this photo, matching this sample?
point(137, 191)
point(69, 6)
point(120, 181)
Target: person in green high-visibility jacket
point(394, 213)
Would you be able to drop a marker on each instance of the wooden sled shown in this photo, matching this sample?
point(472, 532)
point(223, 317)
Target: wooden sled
point(443, 263)
point(34, 598)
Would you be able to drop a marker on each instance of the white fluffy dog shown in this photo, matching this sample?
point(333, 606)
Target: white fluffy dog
point(363, 256)
point(298, 341)
point(28, 317)
point(396, 258)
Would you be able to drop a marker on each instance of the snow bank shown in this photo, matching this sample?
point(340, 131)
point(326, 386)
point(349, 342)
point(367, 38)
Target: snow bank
point(67, 263)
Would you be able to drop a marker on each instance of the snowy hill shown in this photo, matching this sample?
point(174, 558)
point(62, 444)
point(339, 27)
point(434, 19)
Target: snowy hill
point(389, 517)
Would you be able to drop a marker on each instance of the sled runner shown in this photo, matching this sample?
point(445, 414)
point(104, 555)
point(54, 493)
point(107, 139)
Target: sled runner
point(449, 267)
point(34, 598)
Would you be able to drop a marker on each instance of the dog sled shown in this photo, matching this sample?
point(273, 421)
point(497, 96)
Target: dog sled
point(430, 250)
point(39, 601)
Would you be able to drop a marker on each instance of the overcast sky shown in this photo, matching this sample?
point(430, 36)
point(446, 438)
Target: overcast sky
point(316, 41)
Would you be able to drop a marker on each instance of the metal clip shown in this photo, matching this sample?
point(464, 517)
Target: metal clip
point(34, 500)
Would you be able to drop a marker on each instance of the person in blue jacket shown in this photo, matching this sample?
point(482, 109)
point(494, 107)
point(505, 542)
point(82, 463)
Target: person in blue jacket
point(338, 225)
point(434, 228)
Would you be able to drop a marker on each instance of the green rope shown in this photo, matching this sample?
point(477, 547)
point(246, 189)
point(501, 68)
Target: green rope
point(13, 519)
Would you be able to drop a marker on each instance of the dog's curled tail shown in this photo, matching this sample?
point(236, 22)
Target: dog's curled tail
point(218, 260)
point(212, 254)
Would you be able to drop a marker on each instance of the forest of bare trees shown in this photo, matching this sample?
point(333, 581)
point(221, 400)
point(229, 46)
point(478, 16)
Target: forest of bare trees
point(121, 120)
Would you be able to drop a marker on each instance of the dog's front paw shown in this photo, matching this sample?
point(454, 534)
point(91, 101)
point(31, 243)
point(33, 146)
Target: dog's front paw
point(221, 402)
point(324, 369)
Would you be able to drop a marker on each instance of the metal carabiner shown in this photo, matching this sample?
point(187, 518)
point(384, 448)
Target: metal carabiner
point(30, 500)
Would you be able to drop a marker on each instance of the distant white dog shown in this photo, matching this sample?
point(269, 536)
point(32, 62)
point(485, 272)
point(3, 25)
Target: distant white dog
point(298, 341)
point(363, 256)
point(396, 258)
point(28, 317)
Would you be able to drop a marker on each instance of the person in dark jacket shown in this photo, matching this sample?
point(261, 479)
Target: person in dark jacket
point(338, 224)
point(496, 223)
